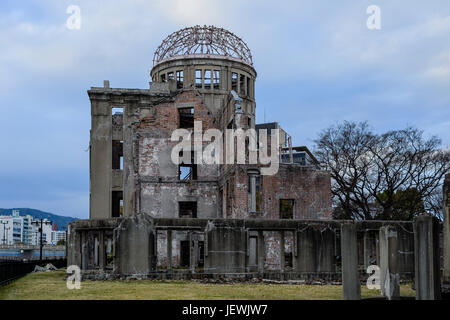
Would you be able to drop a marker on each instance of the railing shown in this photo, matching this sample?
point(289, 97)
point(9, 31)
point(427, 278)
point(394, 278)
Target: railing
point(12, 270)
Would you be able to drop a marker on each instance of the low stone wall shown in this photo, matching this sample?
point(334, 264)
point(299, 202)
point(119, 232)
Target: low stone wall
point(281, 250)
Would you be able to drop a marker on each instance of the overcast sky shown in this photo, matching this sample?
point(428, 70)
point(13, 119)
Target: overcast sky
point(317, 64)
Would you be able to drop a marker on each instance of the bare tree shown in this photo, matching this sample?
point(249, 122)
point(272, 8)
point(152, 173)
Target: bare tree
point(371, 173)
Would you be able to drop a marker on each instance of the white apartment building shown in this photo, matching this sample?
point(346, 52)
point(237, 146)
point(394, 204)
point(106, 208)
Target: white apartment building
point(24, 229)
point(57, 236)
point(6, 230)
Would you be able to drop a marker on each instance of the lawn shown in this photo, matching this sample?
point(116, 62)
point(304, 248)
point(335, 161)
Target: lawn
point(52, 285)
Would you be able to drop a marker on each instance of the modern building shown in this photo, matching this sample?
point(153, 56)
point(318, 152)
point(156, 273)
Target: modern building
point(47, 229)
point(15, 228)
point(57, 236)
point(6, 230)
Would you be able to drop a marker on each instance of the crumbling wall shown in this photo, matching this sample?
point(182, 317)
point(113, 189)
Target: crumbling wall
point(311, 190)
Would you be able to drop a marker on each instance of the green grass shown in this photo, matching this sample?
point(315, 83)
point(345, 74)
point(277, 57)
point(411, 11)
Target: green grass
point(52, 285)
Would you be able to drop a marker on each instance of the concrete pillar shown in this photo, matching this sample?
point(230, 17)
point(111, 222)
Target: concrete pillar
point(169, 250)
point(351, 288)
point(252, 173)
point(377, 247)
point(155, 247)
point(261, 252)
point(101, 251)
point(133, 246)
point(294, 250)
point(427, 258)
point(191, 252)
point(74, 246)
point(327, 259)
point(84, 251)
point(389, 273)
point(226, 247)
point(308, 252)
point(367, 249)
point(196, 251)
point(129, 185)
point(446, 230)
point(282, 262)
point(245, 86)
point(100, 160)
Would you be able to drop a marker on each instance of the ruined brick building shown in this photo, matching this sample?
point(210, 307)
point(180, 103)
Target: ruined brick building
point(209, 78)
point(153, 217)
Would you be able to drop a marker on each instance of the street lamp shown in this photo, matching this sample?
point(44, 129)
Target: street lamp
point(39, 223)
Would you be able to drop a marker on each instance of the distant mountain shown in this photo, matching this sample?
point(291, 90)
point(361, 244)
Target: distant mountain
point(60, 221)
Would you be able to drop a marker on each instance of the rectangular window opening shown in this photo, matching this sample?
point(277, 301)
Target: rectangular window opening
point(186, 116)
point(170, 76)
point(234, 80)
point(258, 193)
point(117, 155)
point(198, 79)
point(117, 110)
point(207, 79)
point(287, 208)
point(185, 254)
point(180, 79)
point(163, 78)
point(116, 204)
point(187, 209)
point(242, 84)
point(187, 172)
point(288, 260)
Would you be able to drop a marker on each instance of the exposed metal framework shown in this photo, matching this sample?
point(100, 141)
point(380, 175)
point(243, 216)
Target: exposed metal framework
point(206, 40)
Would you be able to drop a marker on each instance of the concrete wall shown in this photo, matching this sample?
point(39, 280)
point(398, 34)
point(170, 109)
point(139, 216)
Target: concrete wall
point(446, 229)
point(140, 247)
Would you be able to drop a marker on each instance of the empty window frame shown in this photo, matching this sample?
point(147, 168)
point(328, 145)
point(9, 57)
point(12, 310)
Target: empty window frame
point(207, 79)
point(287, 208)
point(180, 79)
point(117, 155)
point(170, 76)
point(248, 87)
point(288, 263)
point(198, 79)
point(186, 116)
point(163, 78)
point(234, 81)
point(216, 79)
point(116, 204)
point(117, 110)
point(187, 209)
point(187, 172)
point(185, 254)
point(242, 84)
point(258, 193)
